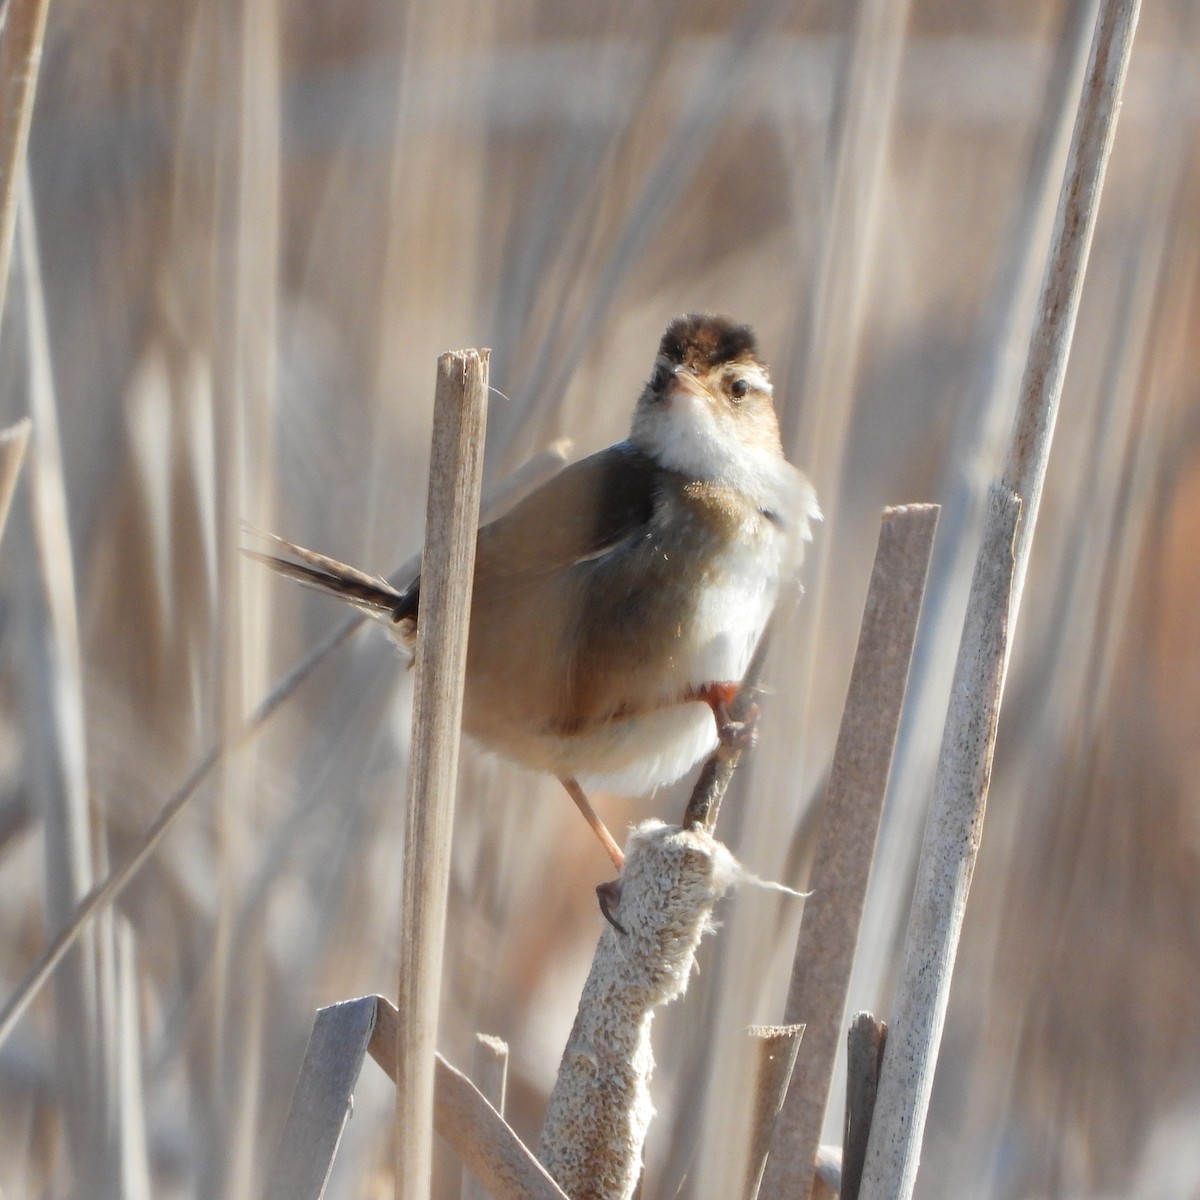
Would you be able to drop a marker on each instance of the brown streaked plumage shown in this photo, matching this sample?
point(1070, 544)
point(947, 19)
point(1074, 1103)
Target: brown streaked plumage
point(621, 599)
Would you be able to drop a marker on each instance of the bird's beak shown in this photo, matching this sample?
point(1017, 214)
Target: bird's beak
point(685, 382)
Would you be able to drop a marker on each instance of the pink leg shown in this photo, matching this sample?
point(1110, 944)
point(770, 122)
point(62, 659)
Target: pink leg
point(598, 827)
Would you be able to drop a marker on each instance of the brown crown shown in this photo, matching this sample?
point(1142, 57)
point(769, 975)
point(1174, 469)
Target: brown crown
point(702, 342)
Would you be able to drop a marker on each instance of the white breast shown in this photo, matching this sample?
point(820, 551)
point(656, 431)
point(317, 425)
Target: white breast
point(731, 613)
point(634, 754)
point(643, 752)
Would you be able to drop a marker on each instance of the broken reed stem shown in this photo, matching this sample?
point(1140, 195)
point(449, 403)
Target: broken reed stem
point(951, 841)
point(777, 1046)
point(848, 824)
point(864, 1056)
point(447, 576)
point(956, 812)
point(13, 442)
point(489, 1073)
point(471, 1126)
point(20, 58)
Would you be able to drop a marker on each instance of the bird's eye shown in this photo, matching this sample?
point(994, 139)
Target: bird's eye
point(659, 379)
point(739, 388)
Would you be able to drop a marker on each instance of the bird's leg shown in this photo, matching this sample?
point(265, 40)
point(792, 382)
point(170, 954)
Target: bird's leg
point(598, 827)
point(718, 697)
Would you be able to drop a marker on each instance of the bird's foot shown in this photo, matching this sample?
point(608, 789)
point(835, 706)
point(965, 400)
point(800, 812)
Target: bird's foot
point(733, 735)
point(609, 896)
point(739, 735)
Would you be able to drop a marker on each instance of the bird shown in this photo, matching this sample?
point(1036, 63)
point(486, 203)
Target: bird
point(616, 607)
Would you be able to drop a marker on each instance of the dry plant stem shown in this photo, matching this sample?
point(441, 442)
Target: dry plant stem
point(55, 751)
point(951, 841)
point(848, 824)
point(777, 1046)
point(983, 424)
point(864, 1056)
point(20, 57)
point(489, 1073)
point(960, 785)
point(284, 688)
point(342, 1035)
point(452, 517)
point(485, 1142)
point(1054, 327)
point(13, 442)
point(470, 1125)
point(321, 1100)
point(835, 304)
point(600, 1108)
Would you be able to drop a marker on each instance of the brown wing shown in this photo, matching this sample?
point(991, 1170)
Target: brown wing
point(527, 598)
point(582, 512)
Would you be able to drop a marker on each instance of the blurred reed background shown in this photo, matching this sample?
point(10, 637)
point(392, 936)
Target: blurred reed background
point(249, 228)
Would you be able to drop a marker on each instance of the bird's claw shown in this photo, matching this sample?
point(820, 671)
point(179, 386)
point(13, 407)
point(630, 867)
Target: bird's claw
point(609, 896)
point(739, 735)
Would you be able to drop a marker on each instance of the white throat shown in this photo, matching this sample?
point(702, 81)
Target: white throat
point(683, 435)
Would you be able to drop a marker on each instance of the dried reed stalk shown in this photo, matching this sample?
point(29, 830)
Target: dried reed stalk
point(600, 1108)
point(704, 804)
point(323, 1097)
point(55, 729)
point(982, 427)
point(13, 443)
point(951, 839)
point(471, 1126)
point(20, 58)
point(489, 1073)
point(452, 518)
point(864, 1056)
point(960, 786)
point(1054, 328)
point(845, 837)
point(776, 1046)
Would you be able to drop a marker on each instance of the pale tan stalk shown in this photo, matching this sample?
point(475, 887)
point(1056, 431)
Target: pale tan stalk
point(455, 476)
point(964, 764)
point(848, 824)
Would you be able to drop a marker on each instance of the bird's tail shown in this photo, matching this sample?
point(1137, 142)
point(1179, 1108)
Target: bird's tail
point(368, 592)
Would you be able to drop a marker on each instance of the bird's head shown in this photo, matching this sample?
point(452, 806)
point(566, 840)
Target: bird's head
point(707, 409)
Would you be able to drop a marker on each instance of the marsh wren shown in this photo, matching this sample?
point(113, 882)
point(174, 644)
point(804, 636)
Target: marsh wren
point(616, 607)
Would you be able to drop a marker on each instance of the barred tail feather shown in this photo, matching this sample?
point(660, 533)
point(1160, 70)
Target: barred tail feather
point(367, 592)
